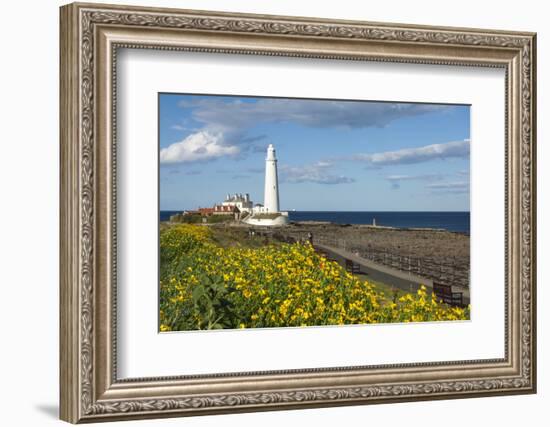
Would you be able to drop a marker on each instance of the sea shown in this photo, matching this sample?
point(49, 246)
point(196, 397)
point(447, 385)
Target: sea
point(452, 221)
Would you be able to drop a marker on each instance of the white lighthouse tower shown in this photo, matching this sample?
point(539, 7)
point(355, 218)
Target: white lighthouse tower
point(269, 214)
point(271, 188)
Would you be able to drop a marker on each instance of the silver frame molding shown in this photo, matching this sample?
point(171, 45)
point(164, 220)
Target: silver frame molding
point(90, 37)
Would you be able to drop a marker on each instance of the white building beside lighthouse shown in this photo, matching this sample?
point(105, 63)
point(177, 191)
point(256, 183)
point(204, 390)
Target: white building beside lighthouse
point(241, 201)
point(269, 214)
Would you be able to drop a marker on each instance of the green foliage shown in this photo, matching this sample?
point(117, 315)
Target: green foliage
point(206, 286)
point(200, 219)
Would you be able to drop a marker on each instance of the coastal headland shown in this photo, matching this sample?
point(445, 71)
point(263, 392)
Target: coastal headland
point(229, 275)
point(422, 254)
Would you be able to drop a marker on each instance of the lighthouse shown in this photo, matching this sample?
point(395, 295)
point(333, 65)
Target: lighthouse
point(271, 188)
point(269, 215)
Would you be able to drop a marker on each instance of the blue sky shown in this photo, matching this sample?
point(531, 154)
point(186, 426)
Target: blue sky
point(332, 155)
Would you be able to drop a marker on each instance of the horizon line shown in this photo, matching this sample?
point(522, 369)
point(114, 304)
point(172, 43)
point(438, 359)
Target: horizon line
point(300, 210)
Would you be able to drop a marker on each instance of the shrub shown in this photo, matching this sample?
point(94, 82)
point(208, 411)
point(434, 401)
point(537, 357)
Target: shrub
point(205, 286)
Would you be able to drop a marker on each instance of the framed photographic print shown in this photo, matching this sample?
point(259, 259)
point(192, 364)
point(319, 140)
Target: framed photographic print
point(265, 212)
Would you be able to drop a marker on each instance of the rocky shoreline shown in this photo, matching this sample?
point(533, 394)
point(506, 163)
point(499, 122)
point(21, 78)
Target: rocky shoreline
point(401, 241)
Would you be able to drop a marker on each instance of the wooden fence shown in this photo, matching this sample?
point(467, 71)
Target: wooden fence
point(442, 269)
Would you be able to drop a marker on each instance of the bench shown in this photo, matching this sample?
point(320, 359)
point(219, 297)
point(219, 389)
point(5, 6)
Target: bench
point(445, 293)
point(352, 267)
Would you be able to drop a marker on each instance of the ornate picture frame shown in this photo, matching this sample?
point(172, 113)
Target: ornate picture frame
point(90, 37)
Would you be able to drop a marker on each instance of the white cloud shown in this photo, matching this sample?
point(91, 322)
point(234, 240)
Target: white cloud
point(450, 185)
point(426, 177)
point(460, 187)
point(226, 114)
point(318, 173)
point(395, 180)
point(457, 149)
point(231, 120)
point(200, 146)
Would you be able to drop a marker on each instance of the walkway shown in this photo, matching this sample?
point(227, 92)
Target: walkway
point(405, 281)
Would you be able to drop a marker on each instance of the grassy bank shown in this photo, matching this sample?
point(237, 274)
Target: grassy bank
point(221, 278)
